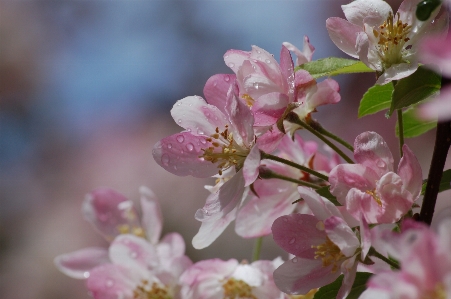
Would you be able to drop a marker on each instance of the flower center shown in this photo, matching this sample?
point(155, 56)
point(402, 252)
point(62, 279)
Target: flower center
point(438, 293)
point(375, 196)
point(237, 289)
point(151, 291)
point(329, 253)
point(134, 230)
point(248, 100)
point(392, 35)
point(225, 150)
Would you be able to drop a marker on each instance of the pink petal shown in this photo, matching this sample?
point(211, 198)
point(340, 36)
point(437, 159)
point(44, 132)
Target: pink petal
point(345, 177)
point(250, 168)
point(343, 34)
point(171, 246)
point(307, 52)
point(396, 200)
point(341, 235)
point(350, 270)
point(321, 207)
point(371, 150)
point(196, 116)
point(79, 263)
point(326, 93)
point(235, 59)
point(362, 205)
point(268, 64)
point(108, 210)
point(216, 88)
point(299, 276)
point(274, 200)
point(372, 12)
point(133, 252)
point(269, 107)
point(297, 233)
point(436, 51)
point(112, 281)
point(152, 219)
point(365, 236)
point(287, 69)
point(269, 141)
point(409, 170)
point(439, 108)
point(241, 118)
point(181, 154)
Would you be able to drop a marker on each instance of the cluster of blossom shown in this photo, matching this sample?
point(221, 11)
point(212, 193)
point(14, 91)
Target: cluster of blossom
point(326, 214)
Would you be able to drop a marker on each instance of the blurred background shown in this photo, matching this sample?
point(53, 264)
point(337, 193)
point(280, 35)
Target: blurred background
point(85, 92)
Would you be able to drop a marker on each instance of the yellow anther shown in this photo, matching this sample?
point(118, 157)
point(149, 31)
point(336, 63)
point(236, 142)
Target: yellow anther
point(376, 197)
point(237, 289)
point(330, 254)
point(145, 290)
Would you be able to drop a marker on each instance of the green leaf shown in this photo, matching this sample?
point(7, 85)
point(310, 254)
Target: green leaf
point(333, 66)
point(377, 98)
point(444, 182)
point(415, 88)
point(325, 192)
point(413, 126)
point(330, 291)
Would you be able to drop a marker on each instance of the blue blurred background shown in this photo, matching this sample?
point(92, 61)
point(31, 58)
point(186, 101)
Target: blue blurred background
point(85, 91)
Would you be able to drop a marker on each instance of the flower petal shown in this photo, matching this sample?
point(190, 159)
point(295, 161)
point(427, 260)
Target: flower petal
point(299, 276)
point(342, 235)
point(397, 72)
point(79, 263)
point(112, 281)
point(109, 211)
point(241, 118)
point(409, 170)
point(344, 35)
point(321, 207)
point(151, 219)
point(268, 108)
point(371, 150)
point(181, 153)
point(372, 12)
point(297, 233)
point(216, 88)
point(250, 167)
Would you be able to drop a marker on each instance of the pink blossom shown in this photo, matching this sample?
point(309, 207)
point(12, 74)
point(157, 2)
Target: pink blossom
point(324, 247)
point(425, 266)
point(272, 89)
point(370, 189)
point(217, 279)
point(137, 261)
point(275, 197)
point(384, 41)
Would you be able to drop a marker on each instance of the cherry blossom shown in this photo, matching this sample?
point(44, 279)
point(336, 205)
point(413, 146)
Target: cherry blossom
point(324, 246)
point(370, 189)
point(425, 266)
point(218, 279)
point(272, 89)
point(384, 41)
point(137, 263)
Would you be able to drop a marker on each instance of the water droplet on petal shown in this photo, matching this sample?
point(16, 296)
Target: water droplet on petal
point(295, 260)
point(190, 147)
point(268, 61)
point(179, 121)
point(292, 241)
point(380, 164)
point(169, 145)
point(133, 254)
point(227, 78)
point(255, 85)
point(180, 138)
point(231, 65)
point(165, 159)
point(86, 274)
point(203, 141)
point(200, 132)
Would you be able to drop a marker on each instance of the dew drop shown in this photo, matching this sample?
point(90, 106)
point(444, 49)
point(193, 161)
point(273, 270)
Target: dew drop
point(295, 260)
point(109, 283)
point(165, 159)
point(86, 274)
point(380, 164)
point(133, 254)
point(268, 61)
point(169, 145)
point(180, 138)
point(227, 78)
point(292, 241)
point(203, 141)
point(259, 52)
point(179, 104)
point(231, 65)
point(255, 85)
point(179, 121)
point(175, 167)
point(190, 147)
point(200, 132)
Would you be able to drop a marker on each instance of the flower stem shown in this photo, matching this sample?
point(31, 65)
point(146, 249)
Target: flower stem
point(292, 117)
point(295, 165)
point(266, 173)
point(318, 127)
point(257, 249)
point(392, 263)
point(442, 145)
point(400, 131)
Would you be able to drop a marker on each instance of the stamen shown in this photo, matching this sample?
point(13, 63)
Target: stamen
point(145, 290)
point(375, 196)
point(438, 293)
point(330, 254)
point(248, 99)
point(237, 289)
